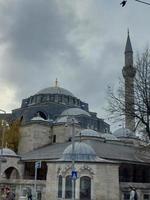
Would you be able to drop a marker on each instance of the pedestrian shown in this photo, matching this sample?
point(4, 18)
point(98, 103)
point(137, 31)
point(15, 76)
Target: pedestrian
point(9, 194)
point(133, 193)
point(29, 194)
point(3, 194)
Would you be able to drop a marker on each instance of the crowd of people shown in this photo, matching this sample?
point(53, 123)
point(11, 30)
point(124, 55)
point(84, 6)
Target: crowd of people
point(7, 194)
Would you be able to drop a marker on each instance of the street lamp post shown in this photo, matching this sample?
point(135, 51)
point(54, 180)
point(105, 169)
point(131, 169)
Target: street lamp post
point(2, 142)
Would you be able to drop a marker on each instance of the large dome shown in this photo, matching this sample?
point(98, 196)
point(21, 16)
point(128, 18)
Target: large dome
point(74, 112)
point(82, 152)
point(55, 90)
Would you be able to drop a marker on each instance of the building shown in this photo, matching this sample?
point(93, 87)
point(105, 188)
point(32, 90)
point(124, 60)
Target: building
point(66, 150)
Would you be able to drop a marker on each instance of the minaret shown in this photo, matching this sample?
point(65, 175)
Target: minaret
point(129, 75)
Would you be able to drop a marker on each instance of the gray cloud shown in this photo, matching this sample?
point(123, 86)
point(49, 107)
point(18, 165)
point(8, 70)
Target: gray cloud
point(79, 42)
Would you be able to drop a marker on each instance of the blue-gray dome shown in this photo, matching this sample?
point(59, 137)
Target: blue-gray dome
point(89, 133)
point(66, 119)
point(55, 90)
point(109, 136)
point(74, 111)
point(82, 152)
point(123, 132)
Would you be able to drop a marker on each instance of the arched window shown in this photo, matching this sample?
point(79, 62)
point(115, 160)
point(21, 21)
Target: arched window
point(60, 186)
point(42, 114)
point(85, 188)
point(68, 187)
point(11, 173)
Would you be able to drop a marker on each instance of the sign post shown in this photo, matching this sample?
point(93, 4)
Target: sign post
point(37, 166)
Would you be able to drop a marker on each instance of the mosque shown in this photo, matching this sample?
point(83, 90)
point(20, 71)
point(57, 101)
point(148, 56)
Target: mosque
point(66, 152)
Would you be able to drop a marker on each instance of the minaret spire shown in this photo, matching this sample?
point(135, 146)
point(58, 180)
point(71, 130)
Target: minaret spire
point(129, 75)
point(128, 52)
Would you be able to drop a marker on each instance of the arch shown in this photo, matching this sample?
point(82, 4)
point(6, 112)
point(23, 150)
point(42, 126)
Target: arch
point(60, 186)
point(21, 119)
point(11, 173)
point(85, 188)
point(68, 187)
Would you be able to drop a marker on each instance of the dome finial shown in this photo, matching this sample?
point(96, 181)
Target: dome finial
point(56, 83)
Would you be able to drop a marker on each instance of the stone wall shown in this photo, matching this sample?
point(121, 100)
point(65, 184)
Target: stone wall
point(104, 180)
point(33, 136)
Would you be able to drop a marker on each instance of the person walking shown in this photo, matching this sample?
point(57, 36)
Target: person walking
point(3, 194)
point(133, 193)
point(9, 194)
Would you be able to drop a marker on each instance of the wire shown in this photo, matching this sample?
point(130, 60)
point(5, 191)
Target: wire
point(143, 2)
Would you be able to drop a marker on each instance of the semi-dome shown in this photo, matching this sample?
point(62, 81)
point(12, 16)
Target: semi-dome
point(109, 136)
point(82, 152)
point(123, 132)
point(89, 133)
point(74, 111)
point(7, 152)
point(55, 90)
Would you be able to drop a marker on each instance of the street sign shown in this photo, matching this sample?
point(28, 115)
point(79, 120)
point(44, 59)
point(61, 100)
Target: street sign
point(38, 164)
point(74, 174)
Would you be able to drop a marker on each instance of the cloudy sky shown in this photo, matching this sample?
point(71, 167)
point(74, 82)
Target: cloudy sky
point(79, 42)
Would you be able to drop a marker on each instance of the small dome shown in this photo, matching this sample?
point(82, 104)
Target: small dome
point(89, 133)
point(109, 136)
point(74, 111)
point(123, 132)
point(82, 152)
point(55, 90)
point(7, 152)
point(64, 119)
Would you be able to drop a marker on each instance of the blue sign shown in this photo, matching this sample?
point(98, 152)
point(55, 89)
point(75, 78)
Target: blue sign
point(74, 174)
point(38, 164)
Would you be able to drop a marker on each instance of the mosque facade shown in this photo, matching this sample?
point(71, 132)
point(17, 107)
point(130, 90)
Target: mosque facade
point(67, 152)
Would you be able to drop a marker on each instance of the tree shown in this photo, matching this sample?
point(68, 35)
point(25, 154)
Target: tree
point(141, 112)
point(11, 135)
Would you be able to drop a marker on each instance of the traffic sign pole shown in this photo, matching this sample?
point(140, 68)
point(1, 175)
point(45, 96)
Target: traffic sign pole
point(73, 160)
point(37, 166)
point(35, 179)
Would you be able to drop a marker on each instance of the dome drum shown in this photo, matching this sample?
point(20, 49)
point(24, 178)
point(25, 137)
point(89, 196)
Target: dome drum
point(54, 98)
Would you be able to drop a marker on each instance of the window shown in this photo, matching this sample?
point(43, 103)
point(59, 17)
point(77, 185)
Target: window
point(60, 186)
point(68, 187)
point(41, 114)
point(126, 196)
point(85, 188)
point(54, 138)
point(146, 196)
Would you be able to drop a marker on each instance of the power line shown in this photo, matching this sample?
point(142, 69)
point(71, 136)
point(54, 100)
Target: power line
point(143, 2)
point(123, 3)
